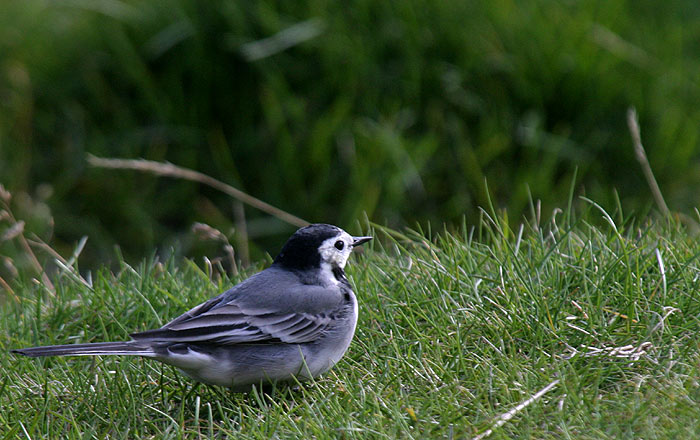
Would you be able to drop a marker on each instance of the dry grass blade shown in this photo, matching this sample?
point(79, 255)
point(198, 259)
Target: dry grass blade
point(206, 232)
point(8, 289)
point(629, 351)
point(168, 169)
point(16, 232)
point(503, 418)
point(640, 153)
point(62, 263)
point(241, 233)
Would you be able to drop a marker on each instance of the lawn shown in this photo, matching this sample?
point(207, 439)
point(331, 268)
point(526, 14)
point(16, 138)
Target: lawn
point(457, 331)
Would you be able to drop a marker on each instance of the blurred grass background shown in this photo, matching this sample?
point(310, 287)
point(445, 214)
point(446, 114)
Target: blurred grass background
point(400, 110)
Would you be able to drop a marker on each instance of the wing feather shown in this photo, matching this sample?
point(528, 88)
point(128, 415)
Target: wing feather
point(253, 312)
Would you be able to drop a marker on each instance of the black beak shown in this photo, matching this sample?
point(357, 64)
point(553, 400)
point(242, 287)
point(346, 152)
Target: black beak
point(357, 241)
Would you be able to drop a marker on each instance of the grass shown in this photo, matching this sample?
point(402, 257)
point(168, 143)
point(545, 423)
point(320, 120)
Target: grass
point(455, 330)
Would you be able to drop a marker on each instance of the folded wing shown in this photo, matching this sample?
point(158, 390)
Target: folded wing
point(229, 324)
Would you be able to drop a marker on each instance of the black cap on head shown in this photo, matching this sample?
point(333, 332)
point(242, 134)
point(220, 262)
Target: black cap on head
point(301, 250)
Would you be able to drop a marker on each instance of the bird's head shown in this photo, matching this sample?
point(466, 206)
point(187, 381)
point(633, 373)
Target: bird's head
point(316, 246)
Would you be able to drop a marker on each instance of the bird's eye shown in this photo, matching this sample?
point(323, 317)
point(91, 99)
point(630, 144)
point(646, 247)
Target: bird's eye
point(339, 245)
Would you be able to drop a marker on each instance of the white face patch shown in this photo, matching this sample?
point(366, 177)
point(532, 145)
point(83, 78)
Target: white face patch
point(335, 251)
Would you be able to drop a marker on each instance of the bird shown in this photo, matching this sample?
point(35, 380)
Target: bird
point(291, 321)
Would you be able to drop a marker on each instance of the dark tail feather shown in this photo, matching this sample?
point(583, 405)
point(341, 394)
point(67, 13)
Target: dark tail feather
point(100, 348)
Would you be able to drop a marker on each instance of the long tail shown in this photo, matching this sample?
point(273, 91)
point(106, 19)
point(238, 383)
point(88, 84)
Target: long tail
point(130, 348)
